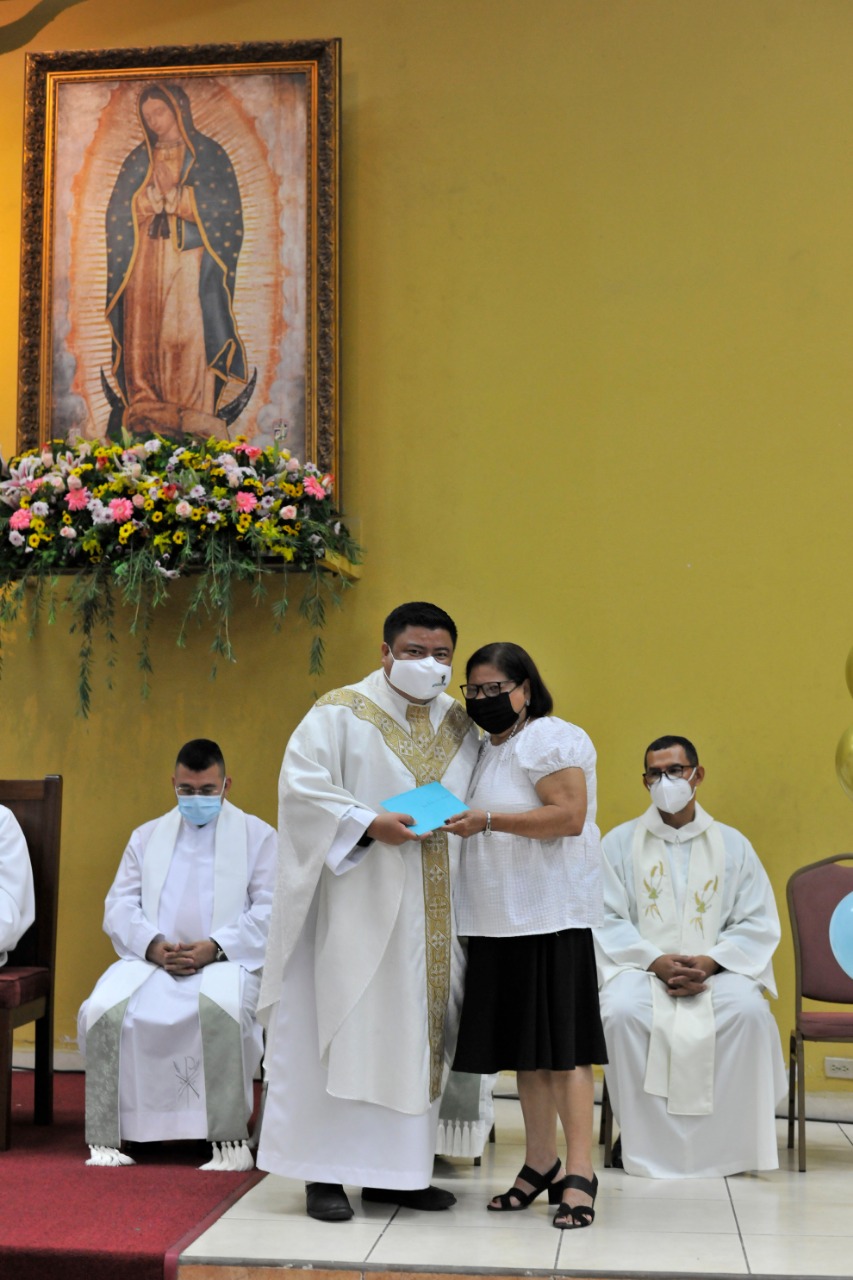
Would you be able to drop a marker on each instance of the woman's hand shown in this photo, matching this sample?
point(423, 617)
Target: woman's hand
point(467, 823)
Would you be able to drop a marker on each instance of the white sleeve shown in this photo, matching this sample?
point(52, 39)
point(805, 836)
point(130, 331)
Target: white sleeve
point(17, 897)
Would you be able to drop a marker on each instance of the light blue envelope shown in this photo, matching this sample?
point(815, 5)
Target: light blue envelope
point(428, 805)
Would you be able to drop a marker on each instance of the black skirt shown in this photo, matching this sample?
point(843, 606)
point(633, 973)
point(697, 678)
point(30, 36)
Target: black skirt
point(531, 1004)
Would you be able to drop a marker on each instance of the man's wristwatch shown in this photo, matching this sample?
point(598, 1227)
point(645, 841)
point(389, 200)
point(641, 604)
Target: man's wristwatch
point(220, 954)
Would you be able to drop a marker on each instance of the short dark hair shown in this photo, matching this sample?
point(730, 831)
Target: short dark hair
point(200, 754)
point(417, 613)
point(673, 740)
point(516, 664)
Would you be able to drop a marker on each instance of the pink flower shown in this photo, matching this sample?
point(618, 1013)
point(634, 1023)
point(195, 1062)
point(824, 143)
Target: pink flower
point(77, 499)
point(183, 510)
point(288, 513)
point(251, 451)
point(292, 464)
point(122, 509)
point(313, 487)
point(246, 501)
point(138, 499)
point(74, 482)
point(20, 519)
point(67, 531)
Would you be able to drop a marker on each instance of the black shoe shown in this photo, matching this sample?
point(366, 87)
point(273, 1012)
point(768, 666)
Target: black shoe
point(572, 1216)
point(430, 1199)
point(616, 1154)
point(327, 1201)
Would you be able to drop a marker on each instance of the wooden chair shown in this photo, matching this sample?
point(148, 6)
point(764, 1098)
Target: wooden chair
point(27, 979)
point(813, 894)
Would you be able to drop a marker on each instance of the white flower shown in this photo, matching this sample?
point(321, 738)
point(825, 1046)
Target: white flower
point(266, 502)
point(166, 573)
point(40, 509)
point(16, 538)
point(67, 532)
point(212, 517)
point(183, 510)
point(152, 446)
point(197, 491)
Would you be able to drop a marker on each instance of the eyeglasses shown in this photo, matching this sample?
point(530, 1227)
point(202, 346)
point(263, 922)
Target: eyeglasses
point(210, 790)
point(491, 688)
point(672, 771)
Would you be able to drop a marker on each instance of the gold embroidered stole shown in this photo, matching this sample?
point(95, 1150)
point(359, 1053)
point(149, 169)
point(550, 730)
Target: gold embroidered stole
point(427, 756)
point(682, 1043)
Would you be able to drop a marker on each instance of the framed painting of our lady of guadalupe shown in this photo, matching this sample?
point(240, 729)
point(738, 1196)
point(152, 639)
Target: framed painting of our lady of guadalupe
point(179, 270)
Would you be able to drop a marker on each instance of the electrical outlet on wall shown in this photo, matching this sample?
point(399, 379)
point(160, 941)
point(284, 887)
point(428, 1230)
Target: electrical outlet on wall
point(839, 1067)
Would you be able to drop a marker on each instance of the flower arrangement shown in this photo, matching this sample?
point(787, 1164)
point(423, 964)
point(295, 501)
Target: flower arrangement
point(129, 520)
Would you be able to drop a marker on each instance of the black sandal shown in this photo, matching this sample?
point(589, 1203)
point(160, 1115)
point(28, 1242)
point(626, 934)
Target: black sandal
point(514, 1199)
point(571, 1216)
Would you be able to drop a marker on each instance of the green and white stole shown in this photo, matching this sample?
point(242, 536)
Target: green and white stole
point(680, 1065)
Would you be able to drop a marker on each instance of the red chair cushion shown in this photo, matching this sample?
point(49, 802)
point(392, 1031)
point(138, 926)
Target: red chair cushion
point(824, 1026)
point(20, 985)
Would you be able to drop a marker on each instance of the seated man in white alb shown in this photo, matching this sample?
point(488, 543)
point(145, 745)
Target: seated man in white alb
point(685, 956)
point(17, 899)
point(170, 1035)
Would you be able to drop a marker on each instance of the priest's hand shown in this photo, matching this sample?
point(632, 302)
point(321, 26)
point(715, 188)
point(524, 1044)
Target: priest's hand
point(181, 958)
point(392, 828)
point(682, 975)
point(189, 957)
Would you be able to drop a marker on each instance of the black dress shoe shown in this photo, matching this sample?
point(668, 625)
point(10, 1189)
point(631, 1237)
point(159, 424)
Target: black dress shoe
point(430, 1199)
point(327, 1201)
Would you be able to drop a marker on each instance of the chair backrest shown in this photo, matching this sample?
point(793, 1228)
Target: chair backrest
point(813, 894)
point(37, 804)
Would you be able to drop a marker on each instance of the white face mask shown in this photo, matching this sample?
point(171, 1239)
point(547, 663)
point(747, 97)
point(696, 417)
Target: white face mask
point(672, 795)
point(421, 678)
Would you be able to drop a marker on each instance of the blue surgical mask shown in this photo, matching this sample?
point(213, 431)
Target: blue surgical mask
point(199, 810)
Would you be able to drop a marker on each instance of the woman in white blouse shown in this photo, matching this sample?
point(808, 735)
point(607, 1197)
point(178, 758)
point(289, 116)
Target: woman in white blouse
point(527, 896)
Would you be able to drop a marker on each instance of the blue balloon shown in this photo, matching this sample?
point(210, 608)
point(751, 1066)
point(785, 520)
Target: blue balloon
point(841, 934)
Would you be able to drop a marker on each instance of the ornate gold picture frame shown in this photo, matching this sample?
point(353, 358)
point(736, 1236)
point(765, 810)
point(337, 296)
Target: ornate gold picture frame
point(179, 264)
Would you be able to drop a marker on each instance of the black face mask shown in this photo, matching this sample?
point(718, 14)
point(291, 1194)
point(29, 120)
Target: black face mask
point(495, 715)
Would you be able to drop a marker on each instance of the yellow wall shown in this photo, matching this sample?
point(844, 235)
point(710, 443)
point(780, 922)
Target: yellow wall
point(597, 318)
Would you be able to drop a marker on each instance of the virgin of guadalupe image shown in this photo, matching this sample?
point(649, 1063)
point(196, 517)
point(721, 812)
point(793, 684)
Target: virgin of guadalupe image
point(174, 230)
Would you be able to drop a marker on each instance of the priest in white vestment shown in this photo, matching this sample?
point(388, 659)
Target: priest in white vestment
point(685, 956)
point(17, 897)
point(169, 1033)
point(362, 957)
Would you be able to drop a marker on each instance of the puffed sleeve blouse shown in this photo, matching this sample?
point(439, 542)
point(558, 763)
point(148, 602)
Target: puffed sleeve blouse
point(512, 885)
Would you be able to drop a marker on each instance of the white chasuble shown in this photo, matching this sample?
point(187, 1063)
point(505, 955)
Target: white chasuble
point(173, 1057)
point(361, 954)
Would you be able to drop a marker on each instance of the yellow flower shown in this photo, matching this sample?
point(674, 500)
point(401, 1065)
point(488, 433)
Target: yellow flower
point(157, 516)
point(196, 513)
point(148, 505)
point(33, 539)
point(162, 540)
point(37, 524)
point(179, 536)
point(66, 518)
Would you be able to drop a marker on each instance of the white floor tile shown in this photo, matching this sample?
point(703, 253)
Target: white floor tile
point(600, 1247)
point(434, 1245)
point(799, 1255)
point(290, 1240)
